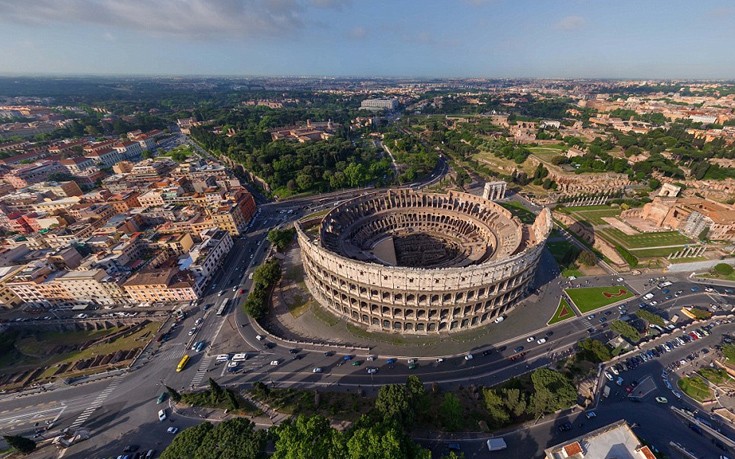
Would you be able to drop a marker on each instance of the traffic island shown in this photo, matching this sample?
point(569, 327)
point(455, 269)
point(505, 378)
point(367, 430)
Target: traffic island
point(587, 299)
point(563, 312)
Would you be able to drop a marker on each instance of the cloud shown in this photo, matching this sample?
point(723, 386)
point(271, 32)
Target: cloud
point(181, 18)
point(570, 23)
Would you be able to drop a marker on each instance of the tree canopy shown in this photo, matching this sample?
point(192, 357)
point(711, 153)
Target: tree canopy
point(232, 439)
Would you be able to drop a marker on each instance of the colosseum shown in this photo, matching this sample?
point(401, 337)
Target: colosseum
point(410, 262)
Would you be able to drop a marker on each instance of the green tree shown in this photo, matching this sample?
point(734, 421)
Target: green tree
point(587, 258)
point(394, 402)
point(625, 330)
point(515, 401)
point(215, 391)
point(308, 438)
point(496, 407)
point(552, 391)
point(174, 394)
point(235, 438)
point(723, 269)
point(593, 350)
point(451, 412)
point(21, 444)
point(382, 440)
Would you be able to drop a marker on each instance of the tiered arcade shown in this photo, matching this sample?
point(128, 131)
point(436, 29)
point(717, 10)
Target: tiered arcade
point(410, 262)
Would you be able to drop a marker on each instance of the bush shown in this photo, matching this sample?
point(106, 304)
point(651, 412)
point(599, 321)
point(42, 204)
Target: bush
point(723, 269)
point(625, 330)
point(650, 317)
point(587, 258)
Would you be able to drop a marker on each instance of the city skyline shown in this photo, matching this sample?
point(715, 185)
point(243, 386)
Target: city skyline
point(473, 38)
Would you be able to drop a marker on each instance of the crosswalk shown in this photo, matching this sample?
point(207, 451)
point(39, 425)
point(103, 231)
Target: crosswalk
point(101, 397)
point(173, 353)
point(203, 367)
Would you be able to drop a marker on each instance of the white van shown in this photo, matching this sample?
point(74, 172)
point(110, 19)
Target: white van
point(648, 296)
point(223, 357)
point(240, 357)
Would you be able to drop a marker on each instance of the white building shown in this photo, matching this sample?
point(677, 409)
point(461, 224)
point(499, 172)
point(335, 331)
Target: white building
point(205, 258)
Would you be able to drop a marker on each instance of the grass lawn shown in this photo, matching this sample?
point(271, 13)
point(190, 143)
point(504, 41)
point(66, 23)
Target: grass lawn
point(565, 253)
point(525, 215)
point(590, 298)
point(714, 375)
point(644, 240)
point(563, 312)
point(652, 253)
point(695, 387)
point(595, 214)
point(573, 271)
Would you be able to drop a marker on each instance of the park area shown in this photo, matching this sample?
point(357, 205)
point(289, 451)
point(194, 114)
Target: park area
point(563, 312)
point(695, 387)
point(590, 298)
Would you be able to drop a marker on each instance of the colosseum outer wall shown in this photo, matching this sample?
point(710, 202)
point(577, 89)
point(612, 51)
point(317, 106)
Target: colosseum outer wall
point(417, 300)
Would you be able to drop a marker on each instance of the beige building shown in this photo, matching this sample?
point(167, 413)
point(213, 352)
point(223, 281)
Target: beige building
point(164, 285)
point(692, 216)
point(615, 440)
point(8, 299)
point(91, 287)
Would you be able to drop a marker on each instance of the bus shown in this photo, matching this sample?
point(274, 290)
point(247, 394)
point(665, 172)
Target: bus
point(222, 308)
point(182, 363)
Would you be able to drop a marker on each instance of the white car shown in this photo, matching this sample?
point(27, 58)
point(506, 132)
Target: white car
point(172, 430)
point(619, 279)
point(499, 319)
point(370, 358)
point(199, 321)
point(162, 415)
point(530, 339)
point(221, 292)
point(317, 370)
point(469, 357)
point(541, 341)
point(259, 337)
point(274, 363)
point(608, 376)
point(372, 371)
point(232, 364)
point(615, 371)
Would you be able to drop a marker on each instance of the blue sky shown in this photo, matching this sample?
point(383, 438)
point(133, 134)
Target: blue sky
point(412, 38)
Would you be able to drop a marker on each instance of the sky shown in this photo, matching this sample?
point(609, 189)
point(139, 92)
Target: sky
point(641, 39)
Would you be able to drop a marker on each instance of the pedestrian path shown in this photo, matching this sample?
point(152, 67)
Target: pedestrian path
point(173, 353)
point(203, 367)
point(101, 397)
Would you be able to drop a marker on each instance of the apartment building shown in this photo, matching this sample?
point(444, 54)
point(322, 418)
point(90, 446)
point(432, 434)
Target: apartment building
point(91, 287)
point(205, 258)
point(162, 285)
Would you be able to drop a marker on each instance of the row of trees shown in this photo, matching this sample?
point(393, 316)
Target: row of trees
point(281, 238)
point(264, 278)
point(550, 391)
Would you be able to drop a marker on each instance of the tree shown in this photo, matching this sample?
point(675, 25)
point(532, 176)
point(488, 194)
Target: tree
point(235, 438)
point(173, 393)
point(394, 402)
point(382, 440)
point(451, 412)
point(215, 391)
point(593, 350)
point(587, 258)
point(22, 444)
point(496, 407)
point(625, 330)
point(552, 391)
point(723, 269)
point(281, 238)
point(515, 401)
point(308, 438)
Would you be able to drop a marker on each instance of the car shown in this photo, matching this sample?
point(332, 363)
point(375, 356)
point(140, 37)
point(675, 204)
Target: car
point(329, 353)
point(162, 415)
point(541, 341)
point(614, 371)
point(232, 364)
point(259, 337)
point(654, 302)
point(607, 313)
point(161, 398)
point(192, 331)
point(372, 370)
point(390, 361)
point(454, 446)
point(221, 292)
point(499, 319)
point(172, 430)
point(317, 370)
point(694, 289)
point(661, 400)
point(234, 289)
point(590, 317)
point(602, 320)
point(412, 366)
point(518, 349)
point(439, 360)
point(590, 414)
point(565, 427)
point(370, 358)
point(200, 346)
point(274, 363)
point(469, 357)
point(530, 339)
point(347, 357)
point(619, 279)
point(242, 291)
point(294, 351)
point(357, 363)
point(608, 376)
